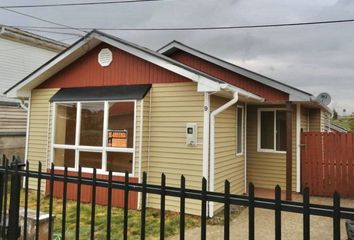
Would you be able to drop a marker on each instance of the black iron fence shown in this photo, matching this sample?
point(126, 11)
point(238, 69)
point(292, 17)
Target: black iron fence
point(10, 217)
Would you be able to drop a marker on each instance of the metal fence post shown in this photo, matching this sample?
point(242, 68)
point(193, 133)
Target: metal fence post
point(14, 230)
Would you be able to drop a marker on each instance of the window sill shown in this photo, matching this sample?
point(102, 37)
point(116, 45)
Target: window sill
point(270, 151)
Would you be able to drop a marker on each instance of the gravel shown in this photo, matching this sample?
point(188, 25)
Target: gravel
point(321, 227)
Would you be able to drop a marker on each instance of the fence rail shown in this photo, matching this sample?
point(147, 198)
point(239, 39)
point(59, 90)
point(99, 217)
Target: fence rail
point(10, 226)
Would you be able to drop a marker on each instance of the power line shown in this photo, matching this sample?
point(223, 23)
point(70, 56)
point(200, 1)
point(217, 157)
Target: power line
point(201, 28)
point(79, 4)
point(43, 20)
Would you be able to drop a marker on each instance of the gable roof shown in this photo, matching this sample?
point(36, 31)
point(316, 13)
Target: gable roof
point(92, 39)
point(294, 93)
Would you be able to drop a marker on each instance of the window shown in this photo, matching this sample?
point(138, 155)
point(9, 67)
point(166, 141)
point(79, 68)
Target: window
point(272, 130)
point(94, 135)
point(65, 123)
point(239, 130)
point(91, 123)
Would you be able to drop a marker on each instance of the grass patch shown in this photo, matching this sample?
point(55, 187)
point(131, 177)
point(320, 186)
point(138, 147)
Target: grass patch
point(152, 229)
point(346, 122)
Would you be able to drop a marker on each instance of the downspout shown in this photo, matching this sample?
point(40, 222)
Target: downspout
point(298, 147)
point(245, 145)
point(212, 145)
point(206, 128)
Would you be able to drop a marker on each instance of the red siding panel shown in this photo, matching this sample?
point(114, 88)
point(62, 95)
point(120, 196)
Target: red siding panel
point(125, 69)
point(235, 79)
point(101, 192)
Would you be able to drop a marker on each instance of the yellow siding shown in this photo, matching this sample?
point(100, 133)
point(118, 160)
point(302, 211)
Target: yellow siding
point(172, 106)
point(305, 120)
point(228, 165)
point(318, 120)
point(315, 120)
point(39, 129)
point(266, 170)
point(325, 121)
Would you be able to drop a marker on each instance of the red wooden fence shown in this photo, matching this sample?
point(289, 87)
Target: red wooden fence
point(327, 163)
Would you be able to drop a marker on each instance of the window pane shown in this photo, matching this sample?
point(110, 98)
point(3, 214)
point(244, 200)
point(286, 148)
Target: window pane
point(90, 159)
point(267, 130)
point(281, 131)
point(119, 162)
point(121, 124)
point(239, 129)
point(91, 124)
point(64, 157)
point(65, 123)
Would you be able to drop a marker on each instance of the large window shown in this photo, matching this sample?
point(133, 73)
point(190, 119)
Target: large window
point(239, 130)
point(272, 130)
point(94, 135)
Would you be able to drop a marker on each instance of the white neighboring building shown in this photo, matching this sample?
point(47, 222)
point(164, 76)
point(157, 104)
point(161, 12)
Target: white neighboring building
point(20, 54)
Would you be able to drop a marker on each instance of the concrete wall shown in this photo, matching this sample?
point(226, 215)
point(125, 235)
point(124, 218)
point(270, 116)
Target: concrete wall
point(13, 146)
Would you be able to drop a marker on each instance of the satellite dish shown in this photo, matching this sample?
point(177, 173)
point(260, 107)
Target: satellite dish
point(324, 98)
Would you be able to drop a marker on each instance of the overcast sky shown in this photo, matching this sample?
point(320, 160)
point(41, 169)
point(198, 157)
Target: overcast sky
point(317, 58)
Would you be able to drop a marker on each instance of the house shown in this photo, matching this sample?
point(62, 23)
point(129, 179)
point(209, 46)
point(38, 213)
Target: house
point(20, 53)
point(337, 129)
point(109, 104)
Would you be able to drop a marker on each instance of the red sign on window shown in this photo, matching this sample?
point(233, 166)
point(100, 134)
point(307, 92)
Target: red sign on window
point(118, 138)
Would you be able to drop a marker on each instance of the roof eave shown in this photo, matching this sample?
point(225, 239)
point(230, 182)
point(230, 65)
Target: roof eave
point(85, 44)
point(294, 93)
point(31, 39)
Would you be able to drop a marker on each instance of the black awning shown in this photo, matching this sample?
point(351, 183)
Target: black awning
point(130, 92)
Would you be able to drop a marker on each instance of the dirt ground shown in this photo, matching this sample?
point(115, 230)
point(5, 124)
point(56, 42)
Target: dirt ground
point(321, 227)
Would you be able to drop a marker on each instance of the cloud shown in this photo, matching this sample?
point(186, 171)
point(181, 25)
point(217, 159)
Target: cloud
point(317, 58)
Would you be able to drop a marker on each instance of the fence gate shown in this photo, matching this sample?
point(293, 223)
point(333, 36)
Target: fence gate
point(327, 161)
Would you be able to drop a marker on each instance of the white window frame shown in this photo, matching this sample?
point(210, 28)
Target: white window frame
point(104, 149)
point(259, 111)
point(242, 130)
